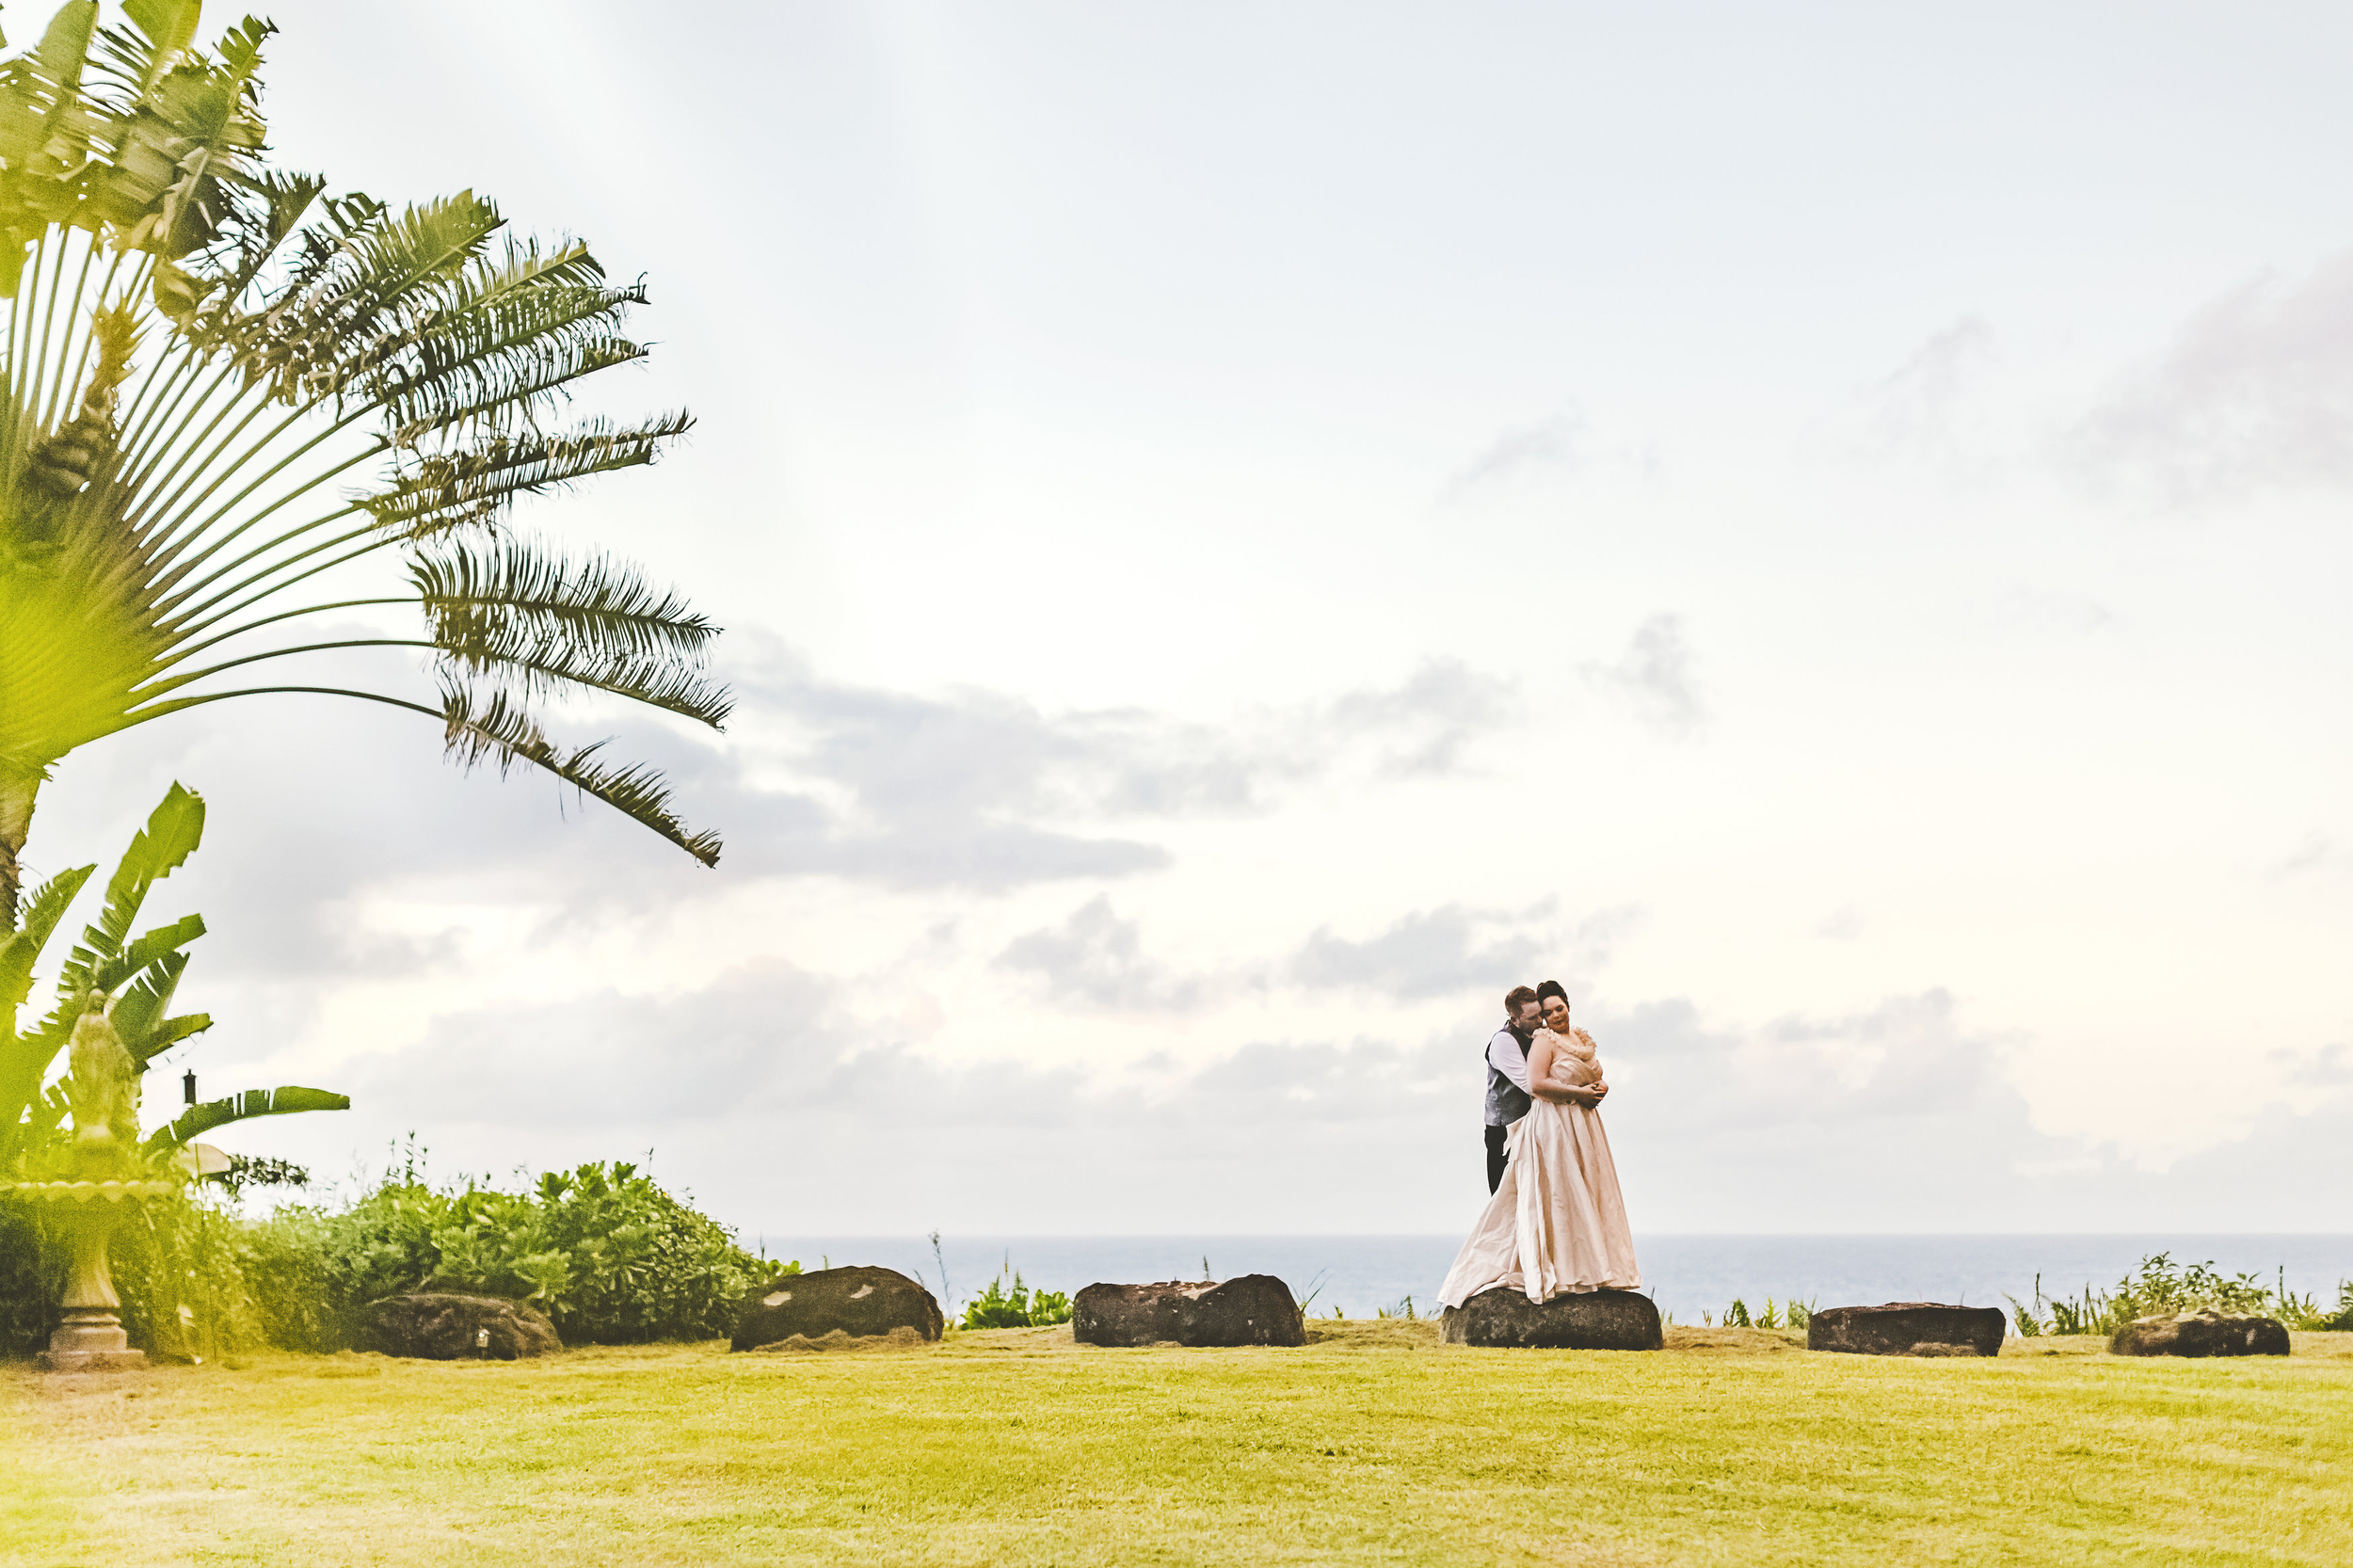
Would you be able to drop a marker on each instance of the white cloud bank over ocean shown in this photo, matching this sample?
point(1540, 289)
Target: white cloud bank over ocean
point(1246, 533)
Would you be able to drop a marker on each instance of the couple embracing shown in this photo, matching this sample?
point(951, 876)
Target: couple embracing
point(1554, 1222)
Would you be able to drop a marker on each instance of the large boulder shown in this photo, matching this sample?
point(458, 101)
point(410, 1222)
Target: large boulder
point(2200, 1334)
point(1582, 1321)
point(1250, 1309)
point(1907, 1328)
point(862, 1302)
point(436, 1325)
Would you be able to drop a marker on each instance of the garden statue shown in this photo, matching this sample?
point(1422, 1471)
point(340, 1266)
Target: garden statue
point(104, 1091)
point(104, 1192)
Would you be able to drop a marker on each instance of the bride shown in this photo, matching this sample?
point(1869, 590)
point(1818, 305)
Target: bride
point(1556, 1223)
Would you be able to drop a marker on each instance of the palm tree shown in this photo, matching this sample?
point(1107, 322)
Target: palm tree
point(233, 401)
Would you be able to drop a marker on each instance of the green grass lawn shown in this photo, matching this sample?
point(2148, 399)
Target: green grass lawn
point(1374, 1443)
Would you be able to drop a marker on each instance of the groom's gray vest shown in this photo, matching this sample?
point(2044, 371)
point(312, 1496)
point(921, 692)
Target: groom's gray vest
point(1506, 1103)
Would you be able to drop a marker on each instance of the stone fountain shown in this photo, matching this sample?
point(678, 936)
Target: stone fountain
point(104, 1191)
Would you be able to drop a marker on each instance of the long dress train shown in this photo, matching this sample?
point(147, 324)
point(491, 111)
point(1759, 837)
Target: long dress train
point(1556, 1223)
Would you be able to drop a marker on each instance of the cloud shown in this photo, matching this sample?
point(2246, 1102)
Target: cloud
point(2319, 852)
point(772, 1086)
point(2255, 391)
point(2328, 1068)
point(1096, 958)
point(1911, 412)
point(1552, 444)
point(978, 791)
point(1432, 953)
point(1654, 676)
point(1841, 925)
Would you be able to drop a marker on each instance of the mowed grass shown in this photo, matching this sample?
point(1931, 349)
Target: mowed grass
point(1373, 1445)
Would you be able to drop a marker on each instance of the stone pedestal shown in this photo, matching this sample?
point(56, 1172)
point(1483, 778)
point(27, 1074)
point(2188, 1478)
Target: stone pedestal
point(92, 1341)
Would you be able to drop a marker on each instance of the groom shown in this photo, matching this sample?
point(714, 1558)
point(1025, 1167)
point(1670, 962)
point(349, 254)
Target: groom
point(1507, 1072)
point(1507, 1069)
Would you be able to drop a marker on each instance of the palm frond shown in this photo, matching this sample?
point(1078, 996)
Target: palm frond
point(445, 492)
point(284, 1101)
point(22, 950)
point(138, 1012)
point(107, 971)
point(514, 588)
point(501, 731)
point(155, 489)
point(173, 831)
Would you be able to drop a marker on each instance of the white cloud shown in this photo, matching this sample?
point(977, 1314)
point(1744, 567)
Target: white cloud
point(1555, 444)
point(1653, 678)
point(2254, 392)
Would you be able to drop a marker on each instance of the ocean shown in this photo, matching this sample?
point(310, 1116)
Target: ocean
point(1687, 1275)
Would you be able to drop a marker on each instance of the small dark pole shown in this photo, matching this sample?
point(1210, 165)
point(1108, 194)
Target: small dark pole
point(187, 1086)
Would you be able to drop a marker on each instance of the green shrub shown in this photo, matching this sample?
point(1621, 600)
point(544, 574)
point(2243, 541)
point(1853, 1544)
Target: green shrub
point(31, 1276)
point(186, 1253)
point(1018, 1306)
point(2162, 1286)
point(609, 1256)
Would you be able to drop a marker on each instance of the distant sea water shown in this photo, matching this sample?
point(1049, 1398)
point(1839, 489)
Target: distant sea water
point(1687, 1275)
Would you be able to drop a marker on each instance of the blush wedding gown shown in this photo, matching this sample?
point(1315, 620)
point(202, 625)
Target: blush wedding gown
point(1556, 1224)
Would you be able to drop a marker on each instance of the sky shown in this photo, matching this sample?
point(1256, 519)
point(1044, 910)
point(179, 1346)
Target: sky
point(1245, 532)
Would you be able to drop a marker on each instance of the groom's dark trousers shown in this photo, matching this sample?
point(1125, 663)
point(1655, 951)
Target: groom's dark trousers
point(1496, 1157)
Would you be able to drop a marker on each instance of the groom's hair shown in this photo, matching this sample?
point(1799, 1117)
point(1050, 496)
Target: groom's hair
point(1551, 988)
point(1516, 998)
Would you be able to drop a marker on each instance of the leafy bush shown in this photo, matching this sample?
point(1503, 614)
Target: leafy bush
point(603, 1250)
point(609, 1256)
point(2162, 1286)
point(182, 1268)
point(1015, 1308)
point(30, 1278)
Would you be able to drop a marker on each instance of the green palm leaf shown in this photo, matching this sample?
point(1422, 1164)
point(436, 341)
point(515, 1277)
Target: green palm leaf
point(199, 1120)
point(203, 354)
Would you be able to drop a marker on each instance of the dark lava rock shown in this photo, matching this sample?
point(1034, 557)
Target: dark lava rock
point(443, 1326)
point(1583, 1320)
point(2200, 1334)
point(862, 1302)
point(1907, 1328)
point(1250, 1309)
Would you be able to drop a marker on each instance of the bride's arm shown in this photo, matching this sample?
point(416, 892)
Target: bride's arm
point(1541, 1082)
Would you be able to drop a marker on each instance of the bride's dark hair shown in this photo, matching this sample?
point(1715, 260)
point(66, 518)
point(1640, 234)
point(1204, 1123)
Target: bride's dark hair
point(1551, 988)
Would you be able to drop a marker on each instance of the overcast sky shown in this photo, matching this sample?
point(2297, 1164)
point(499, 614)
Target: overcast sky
point(1248, 530)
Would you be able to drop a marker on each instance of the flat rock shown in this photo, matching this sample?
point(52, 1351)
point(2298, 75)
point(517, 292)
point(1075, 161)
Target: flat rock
point(1907, 1328)
point(1581, 1320)
point(434, 1325)
point(2200, 1334)
point(900, 1338)
point(859, 1302)
point(1249, 1309)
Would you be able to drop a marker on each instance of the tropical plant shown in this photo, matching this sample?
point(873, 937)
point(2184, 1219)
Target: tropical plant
point(601, 1249)
point(130, 980)
point(2162, 1286)
point(1016, 1305)
point(199, 348)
